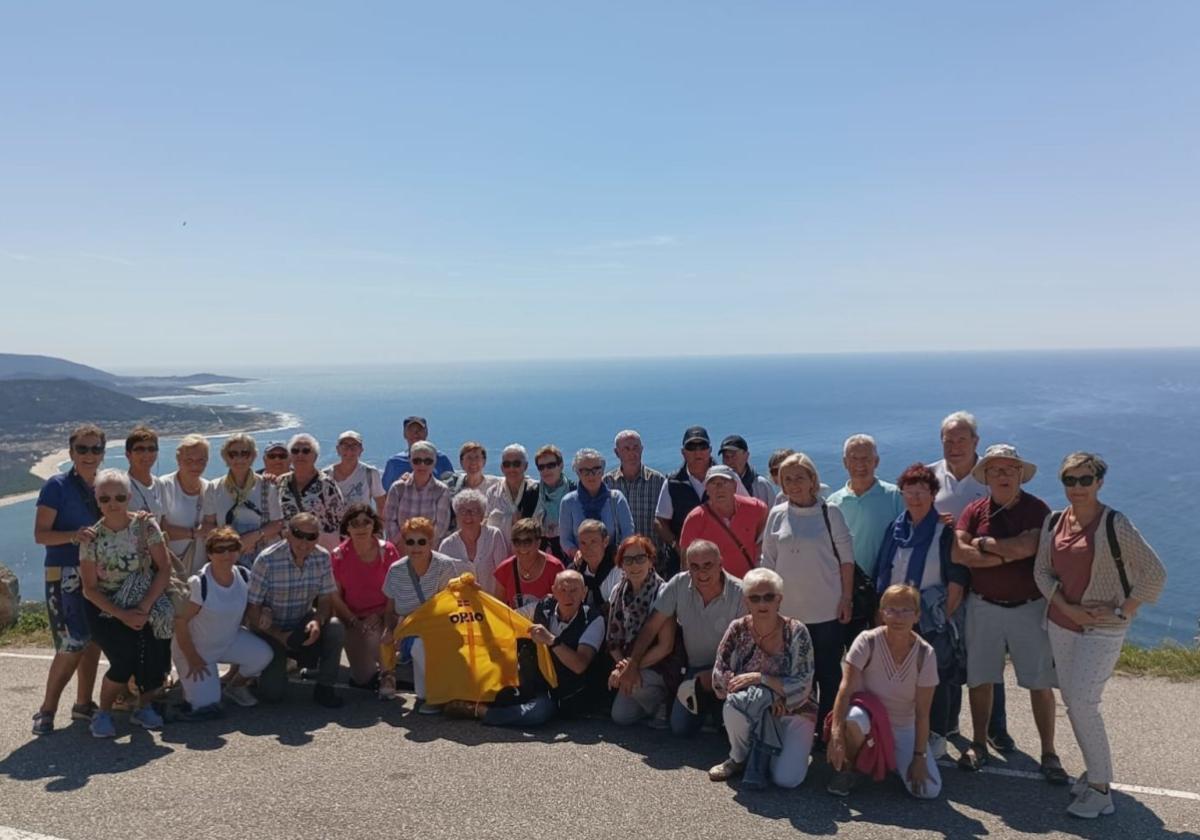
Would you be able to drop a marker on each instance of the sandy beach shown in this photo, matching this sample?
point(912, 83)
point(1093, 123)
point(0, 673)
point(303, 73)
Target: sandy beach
point(43, 469)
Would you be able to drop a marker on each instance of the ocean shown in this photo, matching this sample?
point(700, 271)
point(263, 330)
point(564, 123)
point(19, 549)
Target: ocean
point(1139, 409)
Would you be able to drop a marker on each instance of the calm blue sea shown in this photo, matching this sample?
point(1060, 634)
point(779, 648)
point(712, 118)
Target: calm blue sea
point(1139, 409)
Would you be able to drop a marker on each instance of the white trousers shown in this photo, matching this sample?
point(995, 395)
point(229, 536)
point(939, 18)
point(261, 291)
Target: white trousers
point(789, 768)
point(1084, 662)
point(905, 738)
point(250, 653)
point(418, 666)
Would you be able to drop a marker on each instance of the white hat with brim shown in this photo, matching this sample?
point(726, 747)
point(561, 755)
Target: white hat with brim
point(1006, 452)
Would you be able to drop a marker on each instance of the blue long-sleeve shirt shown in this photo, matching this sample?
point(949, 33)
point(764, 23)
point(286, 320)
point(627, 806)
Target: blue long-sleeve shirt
point(615, 515)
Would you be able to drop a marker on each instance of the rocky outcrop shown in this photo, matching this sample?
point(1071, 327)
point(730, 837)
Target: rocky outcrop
point(10, 597)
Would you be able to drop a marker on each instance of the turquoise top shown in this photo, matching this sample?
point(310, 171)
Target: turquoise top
point(868, 517)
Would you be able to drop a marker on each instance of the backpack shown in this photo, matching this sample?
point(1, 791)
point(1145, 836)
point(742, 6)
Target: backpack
point(1114, 547)
point(241, 570)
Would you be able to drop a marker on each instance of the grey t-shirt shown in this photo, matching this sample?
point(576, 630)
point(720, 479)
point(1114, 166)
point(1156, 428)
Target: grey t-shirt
point(703, 626)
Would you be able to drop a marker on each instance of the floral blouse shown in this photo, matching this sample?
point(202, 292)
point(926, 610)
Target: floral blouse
point(115, 553)
point(320, 497)
point(739, 653)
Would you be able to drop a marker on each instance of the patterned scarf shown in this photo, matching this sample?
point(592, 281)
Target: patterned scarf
point(629, 610)
point(593, 506)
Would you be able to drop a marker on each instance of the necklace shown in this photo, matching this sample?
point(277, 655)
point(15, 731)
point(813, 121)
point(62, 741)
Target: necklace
point(531, 575)
point(760, 639)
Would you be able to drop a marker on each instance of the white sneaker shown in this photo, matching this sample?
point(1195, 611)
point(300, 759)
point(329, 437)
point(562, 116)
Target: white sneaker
point(937, 746)
point(1079, 786)
point(1091, 804)
point(241, 695)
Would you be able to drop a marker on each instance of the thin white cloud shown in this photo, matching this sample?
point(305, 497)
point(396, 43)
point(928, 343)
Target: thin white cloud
point(658, 240)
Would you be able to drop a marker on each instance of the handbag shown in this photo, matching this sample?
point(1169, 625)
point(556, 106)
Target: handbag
point(137, 583)
point(864, 600)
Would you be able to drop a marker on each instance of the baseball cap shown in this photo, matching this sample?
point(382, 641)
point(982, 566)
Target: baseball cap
point(351, 434)
point(720, 471)
point(734, 442)
point(275, 444)
point(696, 433)
point(415, 419)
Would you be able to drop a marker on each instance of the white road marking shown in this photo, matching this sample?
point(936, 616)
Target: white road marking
point(995, 771)
point(7, 833)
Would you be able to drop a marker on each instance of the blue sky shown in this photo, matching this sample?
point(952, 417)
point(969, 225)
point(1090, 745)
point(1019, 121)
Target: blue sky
point(463, 180)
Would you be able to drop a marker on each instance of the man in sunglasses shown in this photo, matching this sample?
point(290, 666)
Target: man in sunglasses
point(704, 600)
point(415, 430)
point(286, 579)
point(997, 538)
point(276, 460)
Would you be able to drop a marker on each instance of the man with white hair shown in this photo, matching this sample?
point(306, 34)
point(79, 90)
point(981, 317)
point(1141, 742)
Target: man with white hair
point(640, 485)
point(420, 494)
point(515, 497)
point(704, 600)
point(958, 485)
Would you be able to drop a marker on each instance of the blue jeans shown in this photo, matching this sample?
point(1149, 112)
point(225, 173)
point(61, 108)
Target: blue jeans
point(684, 722)
point(534, 712)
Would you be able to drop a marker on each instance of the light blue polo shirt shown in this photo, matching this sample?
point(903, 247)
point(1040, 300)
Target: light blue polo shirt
point(868, 517)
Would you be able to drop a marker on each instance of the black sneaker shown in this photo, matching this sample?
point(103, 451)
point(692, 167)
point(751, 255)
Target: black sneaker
point(1001, 742)
point(325, 696)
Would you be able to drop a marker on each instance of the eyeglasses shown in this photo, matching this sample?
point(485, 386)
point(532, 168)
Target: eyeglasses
point(898, 611)
point(275, 456)
point(144, 447)
point(549, 465)
point(512, 465)
point(635, 559)
point(915, 492)
point(1003, 472)
point(83, 449)
point(1081, 480)
point(239, 453)
point(352, 444)
point(361, 522)
point(697, 446)
point(413, 541)
point(301, 450)
point(765, 598)
point(304, 535)
point(524, 541)
point(225, 548)
point(422, 462)
point(120, 497)
point(591, 470)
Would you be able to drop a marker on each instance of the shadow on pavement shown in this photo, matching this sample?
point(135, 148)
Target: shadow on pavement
point(69, 758)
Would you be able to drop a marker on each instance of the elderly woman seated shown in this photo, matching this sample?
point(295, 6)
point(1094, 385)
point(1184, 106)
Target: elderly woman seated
point(483, 546)
point(125, 573)
point(764, 673)
point(632, 599)
point(887, 688)
point(209, 631)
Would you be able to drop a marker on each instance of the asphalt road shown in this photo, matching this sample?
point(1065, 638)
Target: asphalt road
point(377, 769)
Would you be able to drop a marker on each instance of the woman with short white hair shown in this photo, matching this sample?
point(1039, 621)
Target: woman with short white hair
point(305, 489)
point(183, 495)
point(592, 499)
point(483, 546)
point(515, 497)
point(764, 673)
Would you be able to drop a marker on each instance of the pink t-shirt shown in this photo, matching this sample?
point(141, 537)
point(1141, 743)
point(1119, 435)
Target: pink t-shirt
point(1071, 557)
point(894, 684)
point(362, 583)
point(746, 524)
point(532, 591)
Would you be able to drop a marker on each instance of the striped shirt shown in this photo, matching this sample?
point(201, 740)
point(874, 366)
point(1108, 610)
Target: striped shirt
point(642, 494)
point(288, 590)
point(398, 584)
point(406, 500)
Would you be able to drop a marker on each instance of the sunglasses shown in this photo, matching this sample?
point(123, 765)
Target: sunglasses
point(591, 470)
point(635, 559)
point(524, 541)
point(1081, 480)
point(120, 497)
point(83, 449)
point(549, 465)
point(512, 465)
point(765, 598)
point(899, 611)
point(301, 450)
point(225, 548)
point(144, 448)
point(422, 462)
point(414, 541)
point(697, 446)
point(304, 535)
point(275, 456)
point(240, 453)
point(361, 522)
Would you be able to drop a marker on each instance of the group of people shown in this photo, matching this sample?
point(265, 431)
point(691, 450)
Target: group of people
point(794, 617)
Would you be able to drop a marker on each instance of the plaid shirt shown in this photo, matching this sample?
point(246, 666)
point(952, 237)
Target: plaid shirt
point(406, 500)
point(288, 590)
point(642, 494)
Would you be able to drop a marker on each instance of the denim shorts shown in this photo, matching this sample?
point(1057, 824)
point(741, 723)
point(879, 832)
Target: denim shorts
point(66, 606)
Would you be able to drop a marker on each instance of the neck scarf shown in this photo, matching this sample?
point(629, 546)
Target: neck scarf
point(593, 506)
point(918, 538)
point(629, 610)
point(593, 581)
point(549, 498)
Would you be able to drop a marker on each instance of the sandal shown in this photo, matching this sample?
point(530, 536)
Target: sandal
point(43, 723)
point(973, 757)
point(1053, 770)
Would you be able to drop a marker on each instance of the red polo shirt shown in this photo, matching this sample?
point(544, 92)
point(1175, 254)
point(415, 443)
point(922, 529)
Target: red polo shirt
point(749, 516)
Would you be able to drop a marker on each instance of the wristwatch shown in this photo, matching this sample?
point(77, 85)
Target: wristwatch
point(1120, 613)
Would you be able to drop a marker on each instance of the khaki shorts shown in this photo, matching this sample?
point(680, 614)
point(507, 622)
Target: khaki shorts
point(993, 630)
